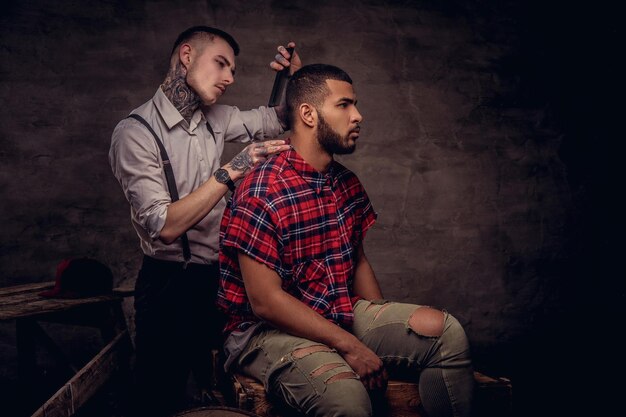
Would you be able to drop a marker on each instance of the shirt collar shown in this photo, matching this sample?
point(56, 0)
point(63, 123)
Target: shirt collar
point(314, 178)
point(171, 116)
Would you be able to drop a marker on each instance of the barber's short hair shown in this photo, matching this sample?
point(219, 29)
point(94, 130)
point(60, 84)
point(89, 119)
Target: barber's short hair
point(308, 85)
point(212, 32)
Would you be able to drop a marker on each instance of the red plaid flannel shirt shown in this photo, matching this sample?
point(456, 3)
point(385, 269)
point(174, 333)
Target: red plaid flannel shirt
point(304, 225)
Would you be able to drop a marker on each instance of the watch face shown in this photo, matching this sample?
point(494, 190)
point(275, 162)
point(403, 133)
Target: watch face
point(222, 175)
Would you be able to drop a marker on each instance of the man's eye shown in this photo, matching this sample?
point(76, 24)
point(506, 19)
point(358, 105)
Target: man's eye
point(343, 105)
point(220, 63)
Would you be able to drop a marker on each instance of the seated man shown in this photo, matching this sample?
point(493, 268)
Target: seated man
point(305, 314)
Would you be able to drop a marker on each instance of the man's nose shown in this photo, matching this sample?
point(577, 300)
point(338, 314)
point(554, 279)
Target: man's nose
point(356, 117)
point(229, 78)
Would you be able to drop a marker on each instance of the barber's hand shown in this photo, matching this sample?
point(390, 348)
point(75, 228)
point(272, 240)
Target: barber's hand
point(281, 60)
point(367, 366)
point(253, 154)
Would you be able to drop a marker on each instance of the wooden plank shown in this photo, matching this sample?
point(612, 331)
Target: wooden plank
point(25, 288)
point(37, 287)
point(24, 300)
point(37, 305)
point(75, 393)
point(402, 399)
point(22, 293)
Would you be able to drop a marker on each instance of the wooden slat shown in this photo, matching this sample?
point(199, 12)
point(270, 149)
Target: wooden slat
point(25, 288)
point(75, 393)
point(24, 300)
point(38, 305)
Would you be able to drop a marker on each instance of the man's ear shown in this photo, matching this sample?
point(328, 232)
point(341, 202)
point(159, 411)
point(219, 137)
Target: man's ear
point(184, 55)
point(308, 114)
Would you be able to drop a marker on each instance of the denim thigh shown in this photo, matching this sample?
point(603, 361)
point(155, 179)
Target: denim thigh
point(308, 376)
point(383, 326)
point(440, 363)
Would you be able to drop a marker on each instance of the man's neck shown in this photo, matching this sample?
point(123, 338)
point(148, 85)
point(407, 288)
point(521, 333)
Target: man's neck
point(179, 93)
point(309, 149)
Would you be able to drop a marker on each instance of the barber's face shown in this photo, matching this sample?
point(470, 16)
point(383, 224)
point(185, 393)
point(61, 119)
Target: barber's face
point(338, 119)
point(211, 70)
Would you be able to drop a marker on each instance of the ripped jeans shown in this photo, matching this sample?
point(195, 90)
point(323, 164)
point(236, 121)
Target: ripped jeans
point(321, 383)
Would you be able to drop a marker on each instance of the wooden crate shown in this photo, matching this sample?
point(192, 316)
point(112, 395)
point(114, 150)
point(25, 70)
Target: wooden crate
point(493, 398)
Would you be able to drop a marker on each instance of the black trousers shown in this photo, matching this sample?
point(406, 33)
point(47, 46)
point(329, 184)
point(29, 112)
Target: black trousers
point(177, 324)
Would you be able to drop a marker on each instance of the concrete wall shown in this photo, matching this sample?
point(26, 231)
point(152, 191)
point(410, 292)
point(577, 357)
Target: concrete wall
point(482, 146)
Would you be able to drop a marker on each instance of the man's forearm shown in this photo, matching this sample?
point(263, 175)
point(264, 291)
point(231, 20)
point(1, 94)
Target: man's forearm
point(272, 304)
point(290, 315)
point(186, 212)
point(285, 312)
point(183, 214)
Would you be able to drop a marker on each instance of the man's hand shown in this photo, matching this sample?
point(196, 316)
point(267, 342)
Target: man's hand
point(281, 60)
point(367, 365)
point(253, 154)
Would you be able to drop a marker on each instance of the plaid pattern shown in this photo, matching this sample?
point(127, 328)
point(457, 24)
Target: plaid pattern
point(304, 225)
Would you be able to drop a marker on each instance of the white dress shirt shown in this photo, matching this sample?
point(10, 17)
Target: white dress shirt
point(194, 154)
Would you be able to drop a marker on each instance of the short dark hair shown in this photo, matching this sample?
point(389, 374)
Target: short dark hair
point(308, 85)
point(195, 30)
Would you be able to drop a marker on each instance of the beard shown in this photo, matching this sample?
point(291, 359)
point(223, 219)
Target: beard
point(331, 141)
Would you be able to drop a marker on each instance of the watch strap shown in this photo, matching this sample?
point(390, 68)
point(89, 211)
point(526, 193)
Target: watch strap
point(229, 182)
point(231, 185)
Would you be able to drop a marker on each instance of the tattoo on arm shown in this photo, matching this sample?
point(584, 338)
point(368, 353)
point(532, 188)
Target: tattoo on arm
point(242, 162)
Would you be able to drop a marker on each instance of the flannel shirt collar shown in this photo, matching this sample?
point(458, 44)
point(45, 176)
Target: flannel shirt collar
point(314, 178)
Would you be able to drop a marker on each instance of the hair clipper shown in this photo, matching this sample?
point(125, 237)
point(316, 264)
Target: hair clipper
point(280, 83)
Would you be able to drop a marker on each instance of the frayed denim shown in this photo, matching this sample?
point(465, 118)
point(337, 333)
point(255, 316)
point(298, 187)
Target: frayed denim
point(316, 381)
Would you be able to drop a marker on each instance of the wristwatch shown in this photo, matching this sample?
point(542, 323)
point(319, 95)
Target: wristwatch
point(222, 176)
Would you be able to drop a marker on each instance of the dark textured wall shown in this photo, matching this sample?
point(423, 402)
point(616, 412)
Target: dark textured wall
point(484, 148)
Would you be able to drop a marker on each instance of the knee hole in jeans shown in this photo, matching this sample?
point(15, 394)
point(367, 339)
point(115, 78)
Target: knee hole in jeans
point(427, 321)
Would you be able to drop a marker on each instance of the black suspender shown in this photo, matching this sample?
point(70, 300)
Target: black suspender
point(171, 181)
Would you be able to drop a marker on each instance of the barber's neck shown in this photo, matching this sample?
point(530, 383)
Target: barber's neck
point(307, 146)
point(179, 93)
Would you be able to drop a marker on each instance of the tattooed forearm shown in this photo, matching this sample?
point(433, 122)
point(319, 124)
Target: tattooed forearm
point(179, 93)
point(242, 162)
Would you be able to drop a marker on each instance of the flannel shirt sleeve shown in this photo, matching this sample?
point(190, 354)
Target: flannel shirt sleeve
point(369, 215)
point(252, 230)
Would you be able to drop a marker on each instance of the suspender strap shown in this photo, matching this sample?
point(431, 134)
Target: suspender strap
point(169, 176)
point(208, 126)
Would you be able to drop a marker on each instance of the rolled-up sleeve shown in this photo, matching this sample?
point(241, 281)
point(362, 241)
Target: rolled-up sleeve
point(135, 161)
point(244, 126)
